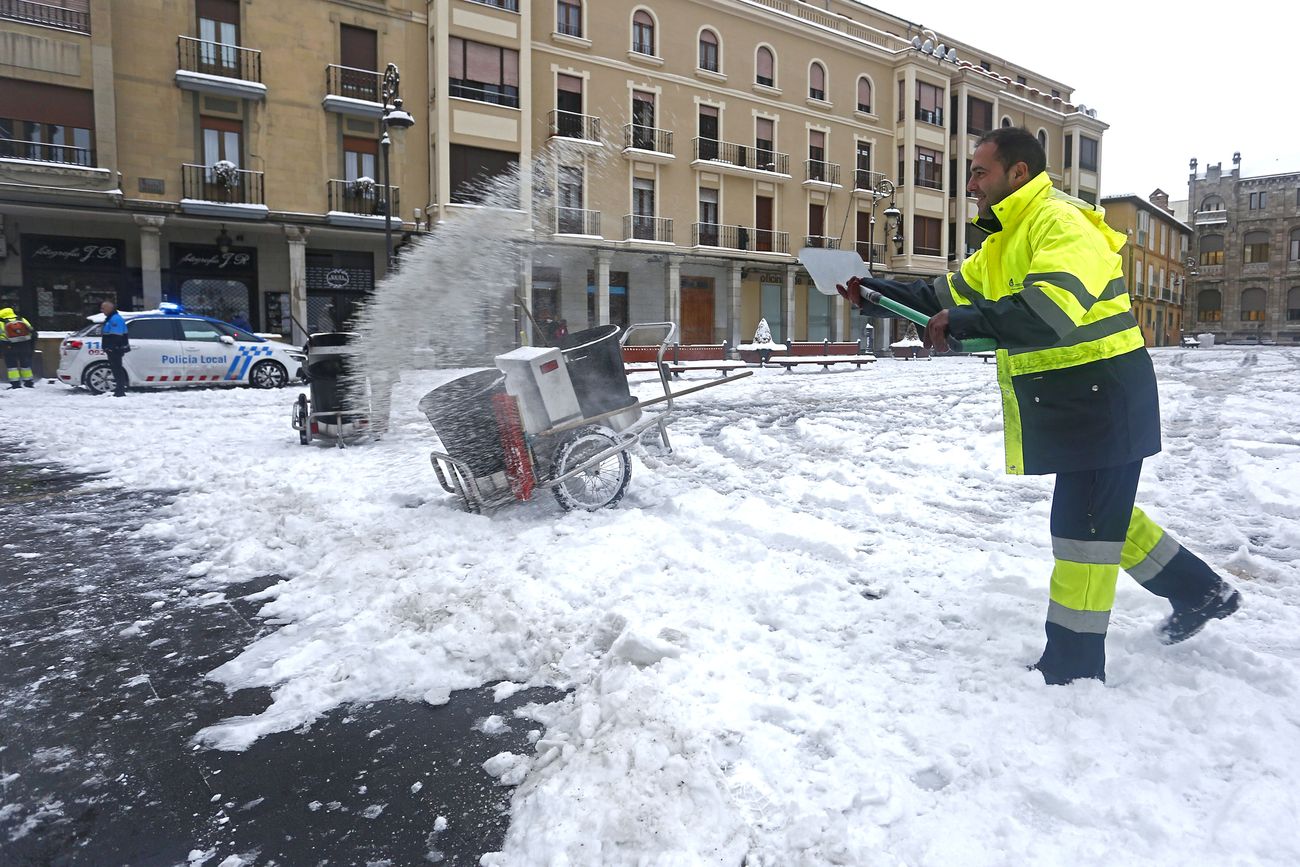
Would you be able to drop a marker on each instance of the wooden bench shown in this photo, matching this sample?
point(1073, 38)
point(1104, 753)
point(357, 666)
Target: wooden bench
point(679, 359)
point(825, 353)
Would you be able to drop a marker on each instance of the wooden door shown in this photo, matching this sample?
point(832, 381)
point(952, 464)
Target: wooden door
point(697, 310)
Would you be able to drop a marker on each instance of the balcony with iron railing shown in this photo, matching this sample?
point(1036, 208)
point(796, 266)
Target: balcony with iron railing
point(824, 242)
point(216, 67)
point(353, 91)
point(575, 221)
point(43, 152)
point(361, 197)
point(864, 181)
point(748, 159)
point(740, 238)
point(868, 254)
point(821, 172)
point(639, 227)
point(46, 15)
point(929, 115)
point(229, 189)
point(647, 138)
point(570, 124)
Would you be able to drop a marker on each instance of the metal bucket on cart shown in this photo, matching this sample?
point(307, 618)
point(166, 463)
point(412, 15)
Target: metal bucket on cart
point(463, 415)
point(595, 362)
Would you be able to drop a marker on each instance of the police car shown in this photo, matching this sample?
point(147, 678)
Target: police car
point(170, 347)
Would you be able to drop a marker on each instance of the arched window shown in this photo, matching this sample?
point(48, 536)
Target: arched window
point(709, 50)
point(1293, 305)
point(1293, 253)
point(864, 94)
point(1255, 248)
point(1252, 305)
point(1212, 250)
point(1212, 203)
point(568, 17)
point(643, 33)
point(1209, 305)
point(1042, 139)
point(1006, 122)
point(816, 81)
point(765, 66)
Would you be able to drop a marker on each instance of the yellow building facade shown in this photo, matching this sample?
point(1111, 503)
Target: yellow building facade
point(676, 154)
point(1155, 262)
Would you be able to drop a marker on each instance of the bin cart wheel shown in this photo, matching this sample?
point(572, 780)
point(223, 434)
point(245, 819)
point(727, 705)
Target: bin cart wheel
point(599, 486)
point(302, 419)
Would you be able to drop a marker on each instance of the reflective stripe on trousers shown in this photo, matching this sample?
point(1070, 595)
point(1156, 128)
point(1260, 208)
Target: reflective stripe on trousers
point(1096, 530)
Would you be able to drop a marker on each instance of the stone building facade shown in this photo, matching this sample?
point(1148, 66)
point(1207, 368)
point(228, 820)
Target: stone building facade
point(1245, 286)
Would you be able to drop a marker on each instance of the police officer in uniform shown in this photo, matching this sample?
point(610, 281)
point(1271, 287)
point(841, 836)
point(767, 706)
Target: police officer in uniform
point(116, 344)
point(18, 338)
point(1078, 395)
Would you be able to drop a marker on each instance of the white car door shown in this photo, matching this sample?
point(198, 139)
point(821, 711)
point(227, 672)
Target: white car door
point(155, 356)
point(209, 357)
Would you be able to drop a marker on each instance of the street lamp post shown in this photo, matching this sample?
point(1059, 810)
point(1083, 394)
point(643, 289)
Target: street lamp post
point(883, 187)
point(398, 120)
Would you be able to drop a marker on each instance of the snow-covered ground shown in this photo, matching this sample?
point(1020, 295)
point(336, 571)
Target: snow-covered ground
point(800, 640)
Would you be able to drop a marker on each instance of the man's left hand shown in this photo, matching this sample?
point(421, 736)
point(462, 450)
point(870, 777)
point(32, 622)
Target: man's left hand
point(936, 333)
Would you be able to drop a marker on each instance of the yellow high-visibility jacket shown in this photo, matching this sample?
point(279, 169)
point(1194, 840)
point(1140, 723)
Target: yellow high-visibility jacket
point(1078, 388)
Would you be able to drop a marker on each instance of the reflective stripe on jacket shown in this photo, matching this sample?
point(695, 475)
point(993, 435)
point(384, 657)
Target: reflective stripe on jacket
point(1078, 389)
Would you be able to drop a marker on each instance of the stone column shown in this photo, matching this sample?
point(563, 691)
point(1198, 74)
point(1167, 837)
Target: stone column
point(673, 292)
point(733, 304)
point(297, 237)
point(151, 258)
point(791, 271)
point(603, 258)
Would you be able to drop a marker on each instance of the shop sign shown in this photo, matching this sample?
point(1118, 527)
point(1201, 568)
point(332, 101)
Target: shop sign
point(49, 251)
point(211, 259)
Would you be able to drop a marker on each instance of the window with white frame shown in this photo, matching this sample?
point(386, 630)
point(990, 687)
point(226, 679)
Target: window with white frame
point(643, 33)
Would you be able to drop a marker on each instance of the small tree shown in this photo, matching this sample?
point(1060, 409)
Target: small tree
point(763, 334)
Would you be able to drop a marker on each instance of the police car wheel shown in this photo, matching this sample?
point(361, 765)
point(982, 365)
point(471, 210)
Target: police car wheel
point(268, 374)
point(98, 378)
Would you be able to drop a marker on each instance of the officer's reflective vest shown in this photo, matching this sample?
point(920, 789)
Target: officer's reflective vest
point(1088, 400)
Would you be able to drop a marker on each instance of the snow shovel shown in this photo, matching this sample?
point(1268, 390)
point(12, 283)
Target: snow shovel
point(829, 267)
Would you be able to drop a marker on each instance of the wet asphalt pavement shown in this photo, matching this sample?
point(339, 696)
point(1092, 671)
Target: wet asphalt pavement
point(105, 645)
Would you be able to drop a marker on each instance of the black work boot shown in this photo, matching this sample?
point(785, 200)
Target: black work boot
point(15, 385)
point(27, 383)
point(1184, 623)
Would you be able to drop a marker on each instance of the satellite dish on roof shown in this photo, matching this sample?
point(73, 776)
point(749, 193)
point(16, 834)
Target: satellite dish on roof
point(916, 42)
point(940, 49)
point(927, 46)
point(952, 55)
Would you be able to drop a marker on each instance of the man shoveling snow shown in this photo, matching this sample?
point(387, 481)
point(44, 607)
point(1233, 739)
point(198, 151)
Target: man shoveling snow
point(1078, 395)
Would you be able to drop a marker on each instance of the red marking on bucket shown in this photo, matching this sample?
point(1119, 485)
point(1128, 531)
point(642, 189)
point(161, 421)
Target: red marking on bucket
point(551, 366)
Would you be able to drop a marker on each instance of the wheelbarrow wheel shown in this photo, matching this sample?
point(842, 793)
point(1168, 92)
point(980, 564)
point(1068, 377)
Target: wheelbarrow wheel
point(302, 419)
point(599, 486)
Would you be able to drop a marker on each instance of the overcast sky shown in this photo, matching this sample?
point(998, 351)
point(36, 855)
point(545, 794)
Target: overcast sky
point(1174, 81)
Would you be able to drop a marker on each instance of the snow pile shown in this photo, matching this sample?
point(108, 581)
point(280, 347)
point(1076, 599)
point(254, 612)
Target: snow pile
point(801, 638)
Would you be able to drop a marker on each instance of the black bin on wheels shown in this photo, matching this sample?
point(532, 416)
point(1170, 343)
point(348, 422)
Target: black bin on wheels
point(463, 416)
point(595, 362)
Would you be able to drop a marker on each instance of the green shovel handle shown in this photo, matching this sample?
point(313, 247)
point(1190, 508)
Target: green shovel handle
point(974, 344)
